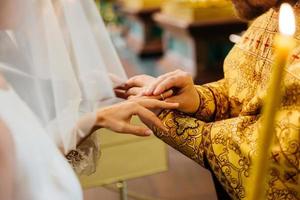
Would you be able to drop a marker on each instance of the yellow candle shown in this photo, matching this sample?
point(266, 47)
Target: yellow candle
point(284, 44)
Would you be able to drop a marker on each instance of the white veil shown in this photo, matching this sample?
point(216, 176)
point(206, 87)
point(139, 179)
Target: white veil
point(57, 55)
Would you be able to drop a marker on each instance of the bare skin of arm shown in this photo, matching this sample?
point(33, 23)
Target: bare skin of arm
point(7, 157)
point(7, 163)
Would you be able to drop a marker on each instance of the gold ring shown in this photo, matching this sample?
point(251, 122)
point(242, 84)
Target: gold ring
point(162, 97)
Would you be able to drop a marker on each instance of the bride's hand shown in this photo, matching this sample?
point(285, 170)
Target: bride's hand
point(118, 117)
point(136, 86)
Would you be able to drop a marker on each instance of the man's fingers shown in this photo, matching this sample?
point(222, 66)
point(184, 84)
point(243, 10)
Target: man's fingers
point(163, 96)
point(167, 84)
point(149, 91)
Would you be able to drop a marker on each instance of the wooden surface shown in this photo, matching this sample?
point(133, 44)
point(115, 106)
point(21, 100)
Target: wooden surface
point(185, 180)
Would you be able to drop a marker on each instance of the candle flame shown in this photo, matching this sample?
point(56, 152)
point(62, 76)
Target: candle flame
point(287, 22)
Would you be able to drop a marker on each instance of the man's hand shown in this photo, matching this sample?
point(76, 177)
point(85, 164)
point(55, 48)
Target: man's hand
point(177, 87)
point(182, 84)
point(118, 117)
point(136, 86)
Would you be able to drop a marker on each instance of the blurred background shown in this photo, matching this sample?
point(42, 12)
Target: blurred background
point(154, 37)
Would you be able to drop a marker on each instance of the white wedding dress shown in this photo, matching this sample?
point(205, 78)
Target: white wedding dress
point(58, 58)
point(42, 173)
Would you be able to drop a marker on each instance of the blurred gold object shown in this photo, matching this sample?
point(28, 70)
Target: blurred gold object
point(126, 157)
point(198, 10)
point(143, 4)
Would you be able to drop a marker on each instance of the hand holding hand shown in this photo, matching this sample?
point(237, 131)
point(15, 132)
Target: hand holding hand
point(118, 117)
point(182, 83)
point(136, 86)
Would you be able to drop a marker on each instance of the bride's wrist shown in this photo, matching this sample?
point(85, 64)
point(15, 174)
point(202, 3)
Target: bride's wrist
point(100, 119)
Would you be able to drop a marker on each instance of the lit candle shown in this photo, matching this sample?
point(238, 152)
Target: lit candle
point(284, 44)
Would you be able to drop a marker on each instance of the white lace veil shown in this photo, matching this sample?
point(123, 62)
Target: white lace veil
point(57, 55)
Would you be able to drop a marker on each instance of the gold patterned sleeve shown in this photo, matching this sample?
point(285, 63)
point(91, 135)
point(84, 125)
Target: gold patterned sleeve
point(214, 104)
point(227, 147)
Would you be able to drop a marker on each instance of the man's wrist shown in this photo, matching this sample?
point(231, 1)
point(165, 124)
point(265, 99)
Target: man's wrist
point(207, 109)
point(198, 102)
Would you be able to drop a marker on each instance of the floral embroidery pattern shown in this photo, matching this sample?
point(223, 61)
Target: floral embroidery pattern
point(225, 128)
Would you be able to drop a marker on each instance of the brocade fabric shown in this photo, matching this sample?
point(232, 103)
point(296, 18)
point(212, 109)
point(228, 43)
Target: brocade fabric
point(224, 130)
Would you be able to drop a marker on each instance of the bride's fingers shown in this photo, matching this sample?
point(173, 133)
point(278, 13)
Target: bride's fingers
point(150, 89)
point(123, 86)
point(134, 91)
point(163, 96)
point(138, 81)
point(121, 93)
point(167, 94)
point(138, 94)
point(128, 94)
point(150, 119)
point(156, 104)
point(133, 82)
point(136, 130)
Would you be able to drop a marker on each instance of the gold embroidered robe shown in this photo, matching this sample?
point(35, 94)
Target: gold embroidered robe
point(224, 130)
